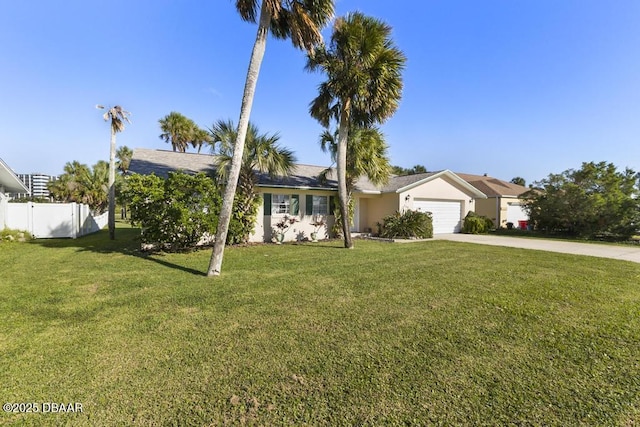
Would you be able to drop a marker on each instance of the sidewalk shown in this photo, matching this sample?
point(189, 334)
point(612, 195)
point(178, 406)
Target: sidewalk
point(620, 252)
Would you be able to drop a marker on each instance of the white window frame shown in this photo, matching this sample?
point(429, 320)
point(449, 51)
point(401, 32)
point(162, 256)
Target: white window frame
point(317, 205)
point(280, 204)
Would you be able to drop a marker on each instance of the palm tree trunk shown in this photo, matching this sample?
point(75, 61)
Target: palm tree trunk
point(112, 188)
point(343, 195)
point(215, 264)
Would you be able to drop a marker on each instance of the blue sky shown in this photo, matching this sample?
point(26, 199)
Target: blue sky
point(504, 87)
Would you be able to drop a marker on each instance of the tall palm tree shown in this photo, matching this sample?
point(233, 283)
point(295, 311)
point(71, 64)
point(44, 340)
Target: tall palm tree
point(117, 116)
point(299, 20)
point(262, 154)
point(363, 86)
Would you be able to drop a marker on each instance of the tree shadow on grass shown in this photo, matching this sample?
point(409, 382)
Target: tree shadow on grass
point(127, 242)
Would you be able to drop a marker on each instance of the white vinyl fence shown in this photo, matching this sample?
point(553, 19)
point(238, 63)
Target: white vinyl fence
point(51, 220)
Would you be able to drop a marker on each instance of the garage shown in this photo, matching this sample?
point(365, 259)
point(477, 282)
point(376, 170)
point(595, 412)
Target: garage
point(446, 214)
point(516, 213)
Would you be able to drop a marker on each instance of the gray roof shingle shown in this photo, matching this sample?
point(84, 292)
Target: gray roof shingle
point(160, 162)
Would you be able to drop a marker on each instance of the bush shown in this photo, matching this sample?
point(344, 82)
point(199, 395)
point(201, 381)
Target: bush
point(476, 224)
point(410, 224)
point(175, 214)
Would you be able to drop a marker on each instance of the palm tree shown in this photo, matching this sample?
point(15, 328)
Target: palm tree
point(300, 20)
point(363, 86)
point(180, 131)
point(176, 130)
point(262, 154)
point(68, 186)
point(95, 187)
point(82, 184)
point(199, 137)
point(123, 154)
point(366, 155)
point(117, 116)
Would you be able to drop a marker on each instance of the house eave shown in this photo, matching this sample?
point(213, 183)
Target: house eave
point(294, 187)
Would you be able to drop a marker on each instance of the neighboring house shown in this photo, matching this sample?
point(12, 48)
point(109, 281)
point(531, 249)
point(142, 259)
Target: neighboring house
point(9, 183)
point(502, 204)
point(446, 195)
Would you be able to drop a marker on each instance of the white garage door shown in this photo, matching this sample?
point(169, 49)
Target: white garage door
point(515, 213)
point(446, 215)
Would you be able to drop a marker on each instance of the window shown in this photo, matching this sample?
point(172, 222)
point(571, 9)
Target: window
point(280, 204)
point(320, 205)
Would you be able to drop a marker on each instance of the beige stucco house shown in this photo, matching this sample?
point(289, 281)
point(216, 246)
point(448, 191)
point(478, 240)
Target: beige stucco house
point(502, 204)
point(302, 195)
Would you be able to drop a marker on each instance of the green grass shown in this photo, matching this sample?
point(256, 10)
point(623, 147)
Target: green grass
point(430, 333)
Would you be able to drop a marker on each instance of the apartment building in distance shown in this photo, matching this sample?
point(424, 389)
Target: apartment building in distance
point(36, 183)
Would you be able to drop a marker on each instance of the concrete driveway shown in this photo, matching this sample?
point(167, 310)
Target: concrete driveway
point(621, 252)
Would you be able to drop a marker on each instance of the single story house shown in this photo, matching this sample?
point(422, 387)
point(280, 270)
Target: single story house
point(9, 183)
point(445, 194)
point(502, 204)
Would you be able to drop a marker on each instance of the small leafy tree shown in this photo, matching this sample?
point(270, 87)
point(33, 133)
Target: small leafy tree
point(595, 201)
point(518, 180)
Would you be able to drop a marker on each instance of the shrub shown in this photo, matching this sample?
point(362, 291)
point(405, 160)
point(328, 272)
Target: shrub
point(476, 224)
point(9, 235)
point(175, 214)
point(410, 224)
point(243, 219)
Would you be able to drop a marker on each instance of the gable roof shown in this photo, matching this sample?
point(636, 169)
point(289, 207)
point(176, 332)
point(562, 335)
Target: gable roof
point(399, 184)
point(493, 187)
point(9, 180)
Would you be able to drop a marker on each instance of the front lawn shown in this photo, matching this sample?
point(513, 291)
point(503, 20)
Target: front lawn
point(436, 332)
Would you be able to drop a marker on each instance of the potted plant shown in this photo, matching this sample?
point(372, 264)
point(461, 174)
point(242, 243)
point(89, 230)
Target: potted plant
point(317, 224)
point(281, 228)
